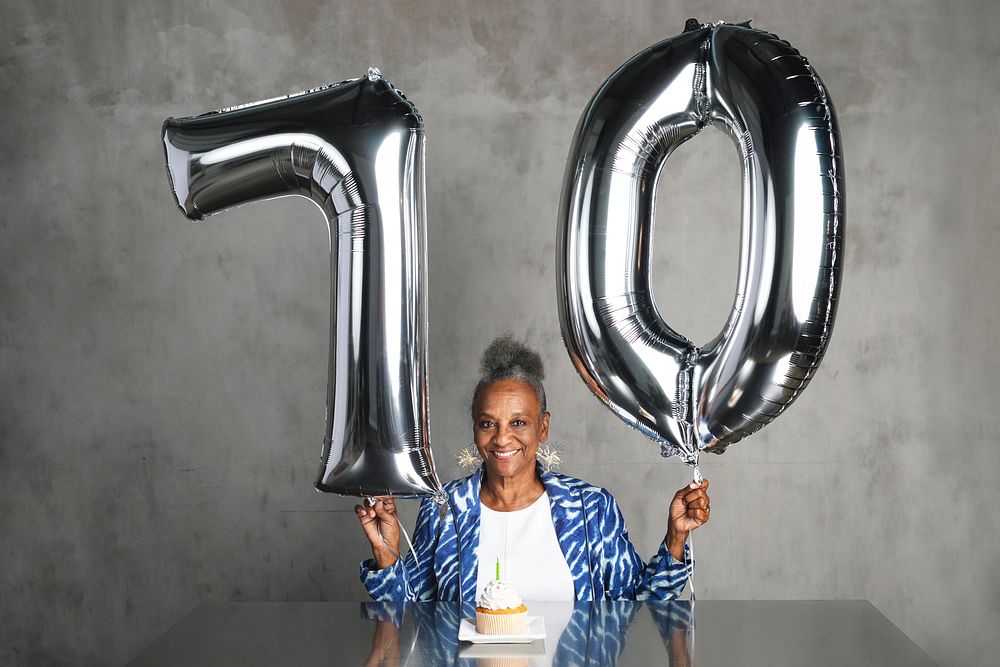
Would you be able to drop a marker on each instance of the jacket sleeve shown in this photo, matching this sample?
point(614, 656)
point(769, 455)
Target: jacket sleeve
point(411, 579)
point(665, 577)
point(625, 575)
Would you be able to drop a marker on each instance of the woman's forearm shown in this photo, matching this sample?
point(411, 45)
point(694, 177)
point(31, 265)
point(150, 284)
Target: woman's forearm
point(383, 557)
point(675, 544)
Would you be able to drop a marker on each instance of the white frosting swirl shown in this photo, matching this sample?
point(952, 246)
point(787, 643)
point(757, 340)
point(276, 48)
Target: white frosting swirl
point(499, 595)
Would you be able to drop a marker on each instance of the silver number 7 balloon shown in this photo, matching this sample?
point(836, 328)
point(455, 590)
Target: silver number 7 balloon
point(355, 149)
point(767, 97)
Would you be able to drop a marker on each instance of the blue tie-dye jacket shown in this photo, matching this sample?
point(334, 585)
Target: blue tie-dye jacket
point(591, 532)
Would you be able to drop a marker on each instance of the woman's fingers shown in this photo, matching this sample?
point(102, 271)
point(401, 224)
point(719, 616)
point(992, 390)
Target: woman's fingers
point(698, 496)
point(697, 500)
point(385, 509)
point(369, 524)
point(365, 513)
point(382, 512)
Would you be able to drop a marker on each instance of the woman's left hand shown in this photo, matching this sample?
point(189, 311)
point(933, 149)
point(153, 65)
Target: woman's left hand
point(689, 509)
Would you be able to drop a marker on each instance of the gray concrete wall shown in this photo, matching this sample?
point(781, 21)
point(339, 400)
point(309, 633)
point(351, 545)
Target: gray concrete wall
point(162, 383)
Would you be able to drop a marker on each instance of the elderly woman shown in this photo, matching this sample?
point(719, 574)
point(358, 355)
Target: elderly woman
point(558, 538)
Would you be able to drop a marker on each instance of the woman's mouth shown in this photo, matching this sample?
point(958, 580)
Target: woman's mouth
point(504, 455)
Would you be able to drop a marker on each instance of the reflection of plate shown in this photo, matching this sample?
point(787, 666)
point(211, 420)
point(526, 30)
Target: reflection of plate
point(535, 630)
point(535, 649)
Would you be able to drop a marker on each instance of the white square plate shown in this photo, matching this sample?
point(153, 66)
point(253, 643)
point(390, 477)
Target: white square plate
point(535, 630)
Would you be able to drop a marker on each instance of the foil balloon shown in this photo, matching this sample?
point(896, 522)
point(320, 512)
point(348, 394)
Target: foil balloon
point(770, 101)
point(355, 149)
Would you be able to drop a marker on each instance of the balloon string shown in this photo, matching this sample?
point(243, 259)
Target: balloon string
point(689, 564)
point(689, 636)
point(458, 548)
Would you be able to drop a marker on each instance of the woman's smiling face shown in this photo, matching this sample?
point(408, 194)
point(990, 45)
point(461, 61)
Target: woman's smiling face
point(508, 426)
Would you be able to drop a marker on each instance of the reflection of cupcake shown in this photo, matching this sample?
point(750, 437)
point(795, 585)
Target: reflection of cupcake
point(500, 611)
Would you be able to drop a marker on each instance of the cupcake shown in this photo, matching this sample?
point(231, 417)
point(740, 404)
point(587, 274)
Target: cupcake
point(500, 611)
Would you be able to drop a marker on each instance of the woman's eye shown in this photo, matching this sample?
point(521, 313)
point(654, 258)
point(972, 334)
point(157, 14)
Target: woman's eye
point(519, 422)
point(485, 424)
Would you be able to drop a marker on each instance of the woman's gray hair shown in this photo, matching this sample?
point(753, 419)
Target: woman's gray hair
point(509, 359)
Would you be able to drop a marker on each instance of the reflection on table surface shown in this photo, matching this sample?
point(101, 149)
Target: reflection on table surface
point(678, 633)
point(576, 634)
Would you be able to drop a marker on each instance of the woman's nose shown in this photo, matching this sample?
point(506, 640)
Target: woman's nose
point(504, 435)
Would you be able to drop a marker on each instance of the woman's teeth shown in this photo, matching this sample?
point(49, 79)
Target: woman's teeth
point(505, 455)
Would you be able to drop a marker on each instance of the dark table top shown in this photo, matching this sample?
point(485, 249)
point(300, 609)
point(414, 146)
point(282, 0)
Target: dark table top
point(680, 633)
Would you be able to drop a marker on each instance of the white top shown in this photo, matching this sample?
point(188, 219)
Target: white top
point(530, 557)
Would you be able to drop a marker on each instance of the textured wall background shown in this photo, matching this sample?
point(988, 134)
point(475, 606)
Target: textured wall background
point(162, 383)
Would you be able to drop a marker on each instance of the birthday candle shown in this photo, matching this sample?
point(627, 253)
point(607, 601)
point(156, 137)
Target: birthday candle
point(498, 568)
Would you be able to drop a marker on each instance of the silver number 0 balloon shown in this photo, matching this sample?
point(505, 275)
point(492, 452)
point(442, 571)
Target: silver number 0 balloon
point(356, 149)
point(767, 97)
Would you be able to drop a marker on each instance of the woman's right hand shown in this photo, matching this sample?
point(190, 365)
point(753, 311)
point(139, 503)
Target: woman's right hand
point(381, 526)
